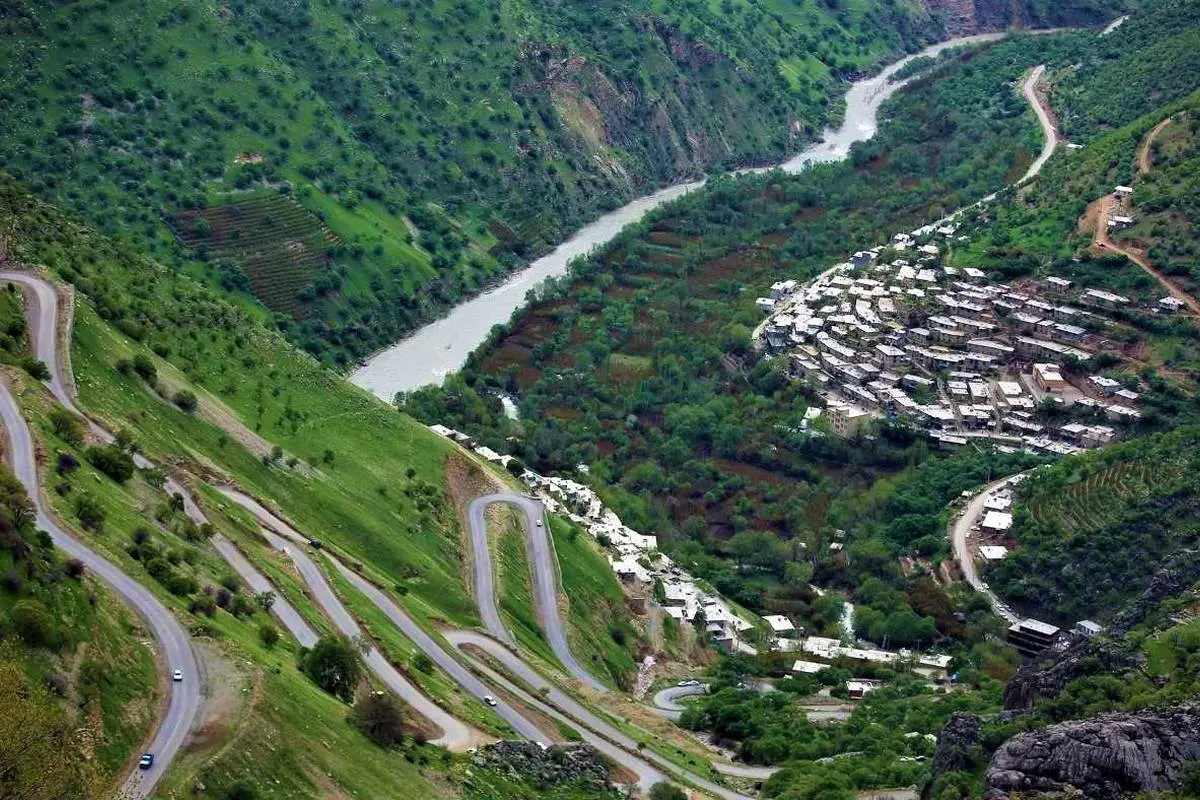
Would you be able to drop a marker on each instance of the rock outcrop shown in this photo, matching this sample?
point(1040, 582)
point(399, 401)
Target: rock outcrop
point(529, 763)
point(961, 17)
point(1109, 756)
point(956, 741)
point(1083, 657)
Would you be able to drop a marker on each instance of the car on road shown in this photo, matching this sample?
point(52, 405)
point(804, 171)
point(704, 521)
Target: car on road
point(539, 523)
point(985, 586)
point(491, 701)
point(177, 676)
point(542, 745)
point(146, 761)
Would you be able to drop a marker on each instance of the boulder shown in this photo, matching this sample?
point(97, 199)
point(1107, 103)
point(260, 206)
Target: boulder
point(1109, 756)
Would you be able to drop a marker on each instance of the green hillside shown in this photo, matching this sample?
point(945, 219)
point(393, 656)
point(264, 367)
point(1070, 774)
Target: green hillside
point(442, 143)
point(368, 482)
point(78, 691)
point(1092, 530)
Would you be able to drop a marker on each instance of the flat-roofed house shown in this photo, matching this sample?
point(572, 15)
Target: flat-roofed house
point(1048, 378)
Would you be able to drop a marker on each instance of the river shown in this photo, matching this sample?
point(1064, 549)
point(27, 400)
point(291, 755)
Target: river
point(441, 347)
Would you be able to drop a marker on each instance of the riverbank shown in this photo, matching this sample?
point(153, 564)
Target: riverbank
point(442, 347)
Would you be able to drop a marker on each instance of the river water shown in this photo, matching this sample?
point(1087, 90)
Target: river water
point(441, 347)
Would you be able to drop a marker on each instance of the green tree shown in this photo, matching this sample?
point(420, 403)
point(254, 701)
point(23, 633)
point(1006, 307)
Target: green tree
point(334, 665)
point(268, 634)
point(666, 791)
point(112, 461)
point(378, 717)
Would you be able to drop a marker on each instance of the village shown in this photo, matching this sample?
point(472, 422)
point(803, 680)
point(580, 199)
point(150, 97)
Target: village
point(894, 333)
point(641, 567)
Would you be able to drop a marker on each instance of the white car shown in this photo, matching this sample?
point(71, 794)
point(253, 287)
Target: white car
point(539, 523)
point(491, 701)
point(177, 676)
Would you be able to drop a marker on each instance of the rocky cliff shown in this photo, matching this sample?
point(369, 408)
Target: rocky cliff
point(1109, 756)
point(961, 17)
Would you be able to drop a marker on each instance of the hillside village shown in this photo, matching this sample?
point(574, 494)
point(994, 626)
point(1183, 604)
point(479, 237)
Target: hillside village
point(637, 563)
point(895, 333)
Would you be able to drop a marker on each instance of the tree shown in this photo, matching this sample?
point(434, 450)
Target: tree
point(90, 513)
point(268, 634)
point(66, 426)
point(666, 791)
point(378, 717)
point(265, 600)
point(185, 400)
point(334, 665)
point(112, 461)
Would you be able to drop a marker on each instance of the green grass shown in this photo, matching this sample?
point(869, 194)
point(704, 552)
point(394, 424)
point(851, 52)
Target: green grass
point(404, 655)
point(514, 582)
point(1161, 651)
point(596, 607)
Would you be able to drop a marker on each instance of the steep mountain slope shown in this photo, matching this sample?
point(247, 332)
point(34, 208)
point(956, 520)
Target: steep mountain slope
point(441, 142)
point(371, 485)
point(1093, 530)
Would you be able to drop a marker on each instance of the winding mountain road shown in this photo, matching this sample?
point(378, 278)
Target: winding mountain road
point(545, 579)
point(455, 734)
point(174, 648)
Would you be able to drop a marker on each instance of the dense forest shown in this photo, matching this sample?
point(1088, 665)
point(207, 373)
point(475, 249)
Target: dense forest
point(442, 143)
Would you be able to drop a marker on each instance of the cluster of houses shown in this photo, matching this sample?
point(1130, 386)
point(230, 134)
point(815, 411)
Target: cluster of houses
point(634, 556)
point(931, 665)
point(894, 333)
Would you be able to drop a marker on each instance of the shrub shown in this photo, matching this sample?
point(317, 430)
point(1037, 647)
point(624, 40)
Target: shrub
point(268, 634)
point(665, 791)
point(145, 368)
point(112, 461)
point(66, 463)
point(90, 514)
point(66, 426)
point(75, 568)
point(31, 621)
point(37, 369)
point(240, 790)
point(378, 717)
point(185, 400)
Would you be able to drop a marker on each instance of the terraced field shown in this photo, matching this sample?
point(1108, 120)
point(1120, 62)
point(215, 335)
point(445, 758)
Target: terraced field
point(280, 245)
point(1091, 502)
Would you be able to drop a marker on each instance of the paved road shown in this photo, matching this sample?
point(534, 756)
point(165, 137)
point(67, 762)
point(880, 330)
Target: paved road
point(417, 635)
point(284, 611)
point(595, 730)
point(1049, 134)
point(545, 579)
point(1049, 145)
point(456, 734)
point(175, 650)
point(960, 529)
